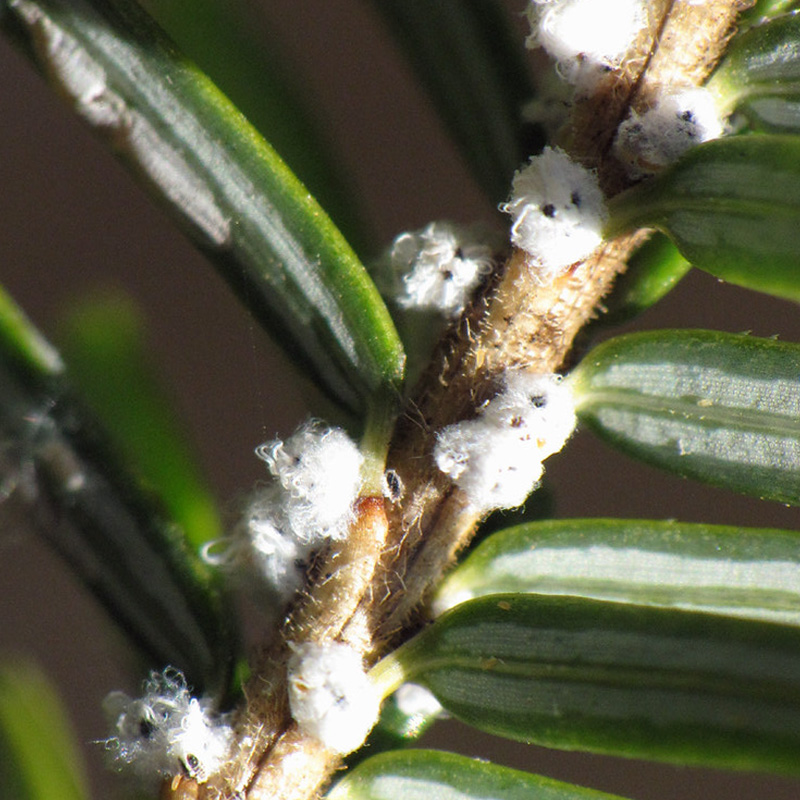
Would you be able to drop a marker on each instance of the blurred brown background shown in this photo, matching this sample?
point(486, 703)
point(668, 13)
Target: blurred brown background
point(71, 219)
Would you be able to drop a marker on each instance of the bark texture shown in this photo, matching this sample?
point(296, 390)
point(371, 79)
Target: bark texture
point(369, 590)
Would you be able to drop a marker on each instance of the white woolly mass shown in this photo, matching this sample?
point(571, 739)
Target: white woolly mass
point(330, 696)
point(558, 212)
point(496, 458)
point(319, 470)
point(585, 37)
point(415, 700)
point(538, 407)
point(278, 556)
point(436, 268)
point(317, 475)
point(494, 467)
point(678, 121)
point(261, 551)
point(167, 732)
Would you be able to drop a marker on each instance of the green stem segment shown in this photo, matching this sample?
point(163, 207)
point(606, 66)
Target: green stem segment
point(375, 442)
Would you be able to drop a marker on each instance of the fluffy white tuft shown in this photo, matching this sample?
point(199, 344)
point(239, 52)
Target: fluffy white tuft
point(279, 556)
point(415, 700)
point(678, 121)
point(319, 470)
point(317, 475)
point(436, 268)
point(585, 37)
point(493, 467)
point(496, 458)
point(262, 551)
point(330, 696)
point(558, 212)
point(539, 409)
point(167, 732)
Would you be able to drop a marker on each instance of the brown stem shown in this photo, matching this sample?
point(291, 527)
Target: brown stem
point(524, 324)
point(520, 323)
point(370, 589)
point(276, 758)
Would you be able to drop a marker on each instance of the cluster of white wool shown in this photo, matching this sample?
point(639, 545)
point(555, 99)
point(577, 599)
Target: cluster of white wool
point(414, 700)
point(558, 212)
point(317, 477)
point(330, 695)
point(167, 732)
point(265, 540)
point(319, 471)
point(585, 37)
point(435, 268)
point(496, 458)
point(679, 120)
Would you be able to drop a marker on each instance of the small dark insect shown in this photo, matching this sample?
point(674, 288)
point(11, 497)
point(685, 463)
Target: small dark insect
point(147, 727)
point(192, 764)
point(392, 485)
